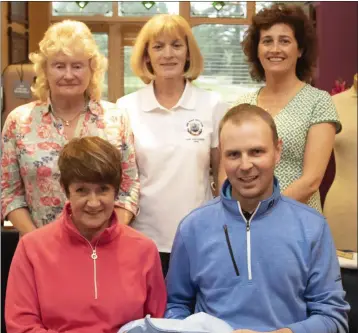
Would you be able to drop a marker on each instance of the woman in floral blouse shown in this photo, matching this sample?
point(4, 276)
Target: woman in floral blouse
point(69, 70)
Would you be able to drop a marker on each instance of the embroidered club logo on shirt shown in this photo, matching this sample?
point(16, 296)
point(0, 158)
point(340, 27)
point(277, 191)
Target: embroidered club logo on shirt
point(194, 127)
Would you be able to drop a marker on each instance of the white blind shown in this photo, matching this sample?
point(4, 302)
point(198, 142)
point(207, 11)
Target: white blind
point(225, 67)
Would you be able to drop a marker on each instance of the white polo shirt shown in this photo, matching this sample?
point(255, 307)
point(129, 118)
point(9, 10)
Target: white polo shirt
point(173, 156)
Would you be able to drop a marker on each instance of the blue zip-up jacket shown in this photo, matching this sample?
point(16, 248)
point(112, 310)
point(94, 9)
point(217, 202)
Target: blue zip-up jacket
point(279, 269)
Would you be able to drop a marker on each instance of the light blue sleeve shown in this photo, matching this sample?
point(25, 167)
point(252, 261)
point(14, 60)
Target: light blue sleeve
point(180, 288)
point(327, 310)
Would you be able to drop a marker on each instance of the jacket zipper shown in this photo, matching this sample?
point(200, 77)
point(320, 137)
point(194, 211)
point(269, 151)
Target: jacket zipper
point(248, 238)
point(230, 250)
point(94, 257)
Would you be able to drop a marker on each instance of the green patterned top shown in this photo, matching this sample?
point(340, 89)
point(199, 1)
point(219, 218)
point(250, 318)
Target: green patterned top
point(309, 106)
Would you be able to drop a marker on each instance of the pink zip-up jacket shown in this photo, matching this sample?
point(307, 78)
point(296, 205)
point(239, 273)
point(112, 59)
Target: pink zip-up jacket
point(61, 282)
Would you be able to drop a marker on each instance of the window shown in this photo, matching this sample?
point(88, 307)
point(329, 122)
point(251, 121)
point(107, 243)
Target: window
point(218, 26)
point(211, 9)
point(131, 82)
point(82, 8)
point(147, 8)
point(102, 42)
point(225, 68)
point(263, 4)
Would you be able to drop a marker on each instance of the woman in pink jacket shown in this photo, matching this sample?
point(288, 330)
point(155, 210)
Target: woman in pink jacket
point(85, 272)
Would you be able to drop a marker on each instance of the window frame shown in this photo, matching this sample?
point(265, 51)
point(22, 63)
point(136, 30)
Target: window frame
point(118, 27)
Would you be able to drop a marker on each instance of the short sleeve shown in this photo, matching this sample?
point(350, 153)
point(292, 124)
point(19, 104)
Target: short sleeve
point(129, 188)
point(325, 111)
point(119, 132)
point(249, 98)
point(218, 113)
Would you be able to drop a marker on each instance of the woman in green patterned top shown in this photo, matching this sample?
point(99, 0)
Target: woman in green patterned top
point(281, 49)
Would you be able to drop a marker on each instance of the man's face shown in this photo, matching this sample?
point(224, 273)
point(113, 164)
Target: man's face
point(249, 157)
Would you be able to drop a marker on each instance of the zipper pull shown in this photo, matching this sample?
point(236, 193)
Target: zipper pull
point(247, 226)
point(94, 254)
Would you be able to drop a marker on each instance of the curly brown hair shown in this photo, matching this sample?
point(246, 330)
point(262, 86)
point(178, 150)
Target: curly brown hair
point(304, 32)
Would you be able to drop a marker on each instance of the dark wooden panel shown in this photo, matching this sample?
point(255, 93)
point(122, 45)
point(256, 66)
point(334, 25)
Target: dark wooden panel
point(18, 47)
point(18, 12)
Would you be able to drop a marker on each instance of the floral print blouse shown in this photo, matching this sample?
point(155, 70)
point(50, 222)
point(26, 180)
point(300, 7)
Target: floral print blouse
point(31, 141)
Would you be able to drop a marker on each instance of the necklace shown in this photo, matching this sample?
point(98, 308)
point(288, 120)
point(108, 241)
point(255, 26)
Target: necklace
point(68, 122)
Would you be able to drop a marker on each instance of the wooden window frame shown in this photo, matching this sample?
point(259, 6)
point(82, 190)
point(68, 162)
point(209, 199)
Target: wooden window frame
point(118, 26)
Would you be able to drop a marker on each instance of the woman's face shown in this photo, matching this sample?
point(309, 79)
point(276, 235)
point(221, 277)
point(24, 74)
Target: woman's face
point(68, 76)
point(92, 206)
point(167, 55)
point(278, 49)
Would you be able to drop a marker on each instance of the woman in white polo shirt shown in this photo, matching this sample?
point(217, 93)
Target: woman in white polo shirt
point(175, 126)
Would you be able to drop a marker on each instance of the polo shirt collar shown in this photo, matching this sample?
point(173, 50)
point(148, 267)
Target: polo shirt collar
point(149, 102)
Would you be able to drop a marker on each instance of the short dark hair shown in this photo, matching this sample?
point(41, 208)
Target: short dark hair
point(90, 159)
point(242, 112)
point(304, 32)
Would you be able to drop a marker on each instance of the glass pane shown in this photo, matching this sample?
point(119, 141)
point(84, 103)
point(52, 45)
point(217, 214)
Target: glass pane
point(63, 8)
point(207, 9)
point(225, 67)
point(137, 8)
point(102, 42)
point(131, 82)
point(264, 4)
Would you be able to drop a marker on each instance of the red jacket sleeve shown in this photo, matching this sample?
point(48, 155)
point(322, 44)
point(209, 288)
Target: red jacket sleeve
point(156, 291)
point(22, 311)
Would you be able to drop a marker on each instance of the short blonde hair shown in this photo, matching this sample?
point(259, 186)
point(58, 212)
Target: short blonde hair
point(69, 37)
point(240, 113)
point(174, 25)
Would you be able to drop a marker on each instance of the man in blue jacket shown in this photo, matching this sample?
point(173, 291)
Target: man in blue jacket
point(258, 260)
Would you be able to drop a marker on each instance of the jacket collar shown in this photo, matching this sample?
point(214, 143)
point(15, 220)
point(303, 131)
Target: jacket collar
point(264, 206)
point(149, 102)
point(107, 235)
